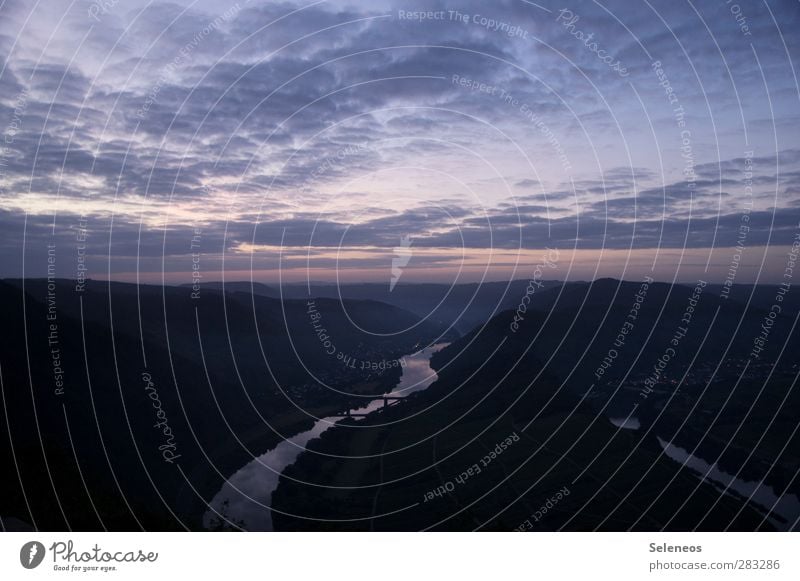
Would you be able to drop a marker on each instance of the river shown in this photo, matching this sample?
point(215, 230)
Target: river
point(759, 495)
point(781, 510)
point(246, 496)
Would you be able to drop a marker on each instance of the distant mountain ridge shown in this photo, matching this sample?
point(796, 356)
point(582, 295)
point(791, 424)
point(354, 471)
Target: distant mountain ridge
point(422, 464)
point(467, 305)
point(233, 373)
point(211, 380)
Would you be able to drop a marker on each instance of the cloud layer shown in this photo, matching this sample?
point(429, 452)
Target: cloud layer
point(326, 125)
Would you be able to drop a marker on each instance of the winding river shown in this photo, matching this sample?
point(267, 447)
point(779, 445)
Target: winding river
point(761, 496)
point(246, 496)
point(782, 510)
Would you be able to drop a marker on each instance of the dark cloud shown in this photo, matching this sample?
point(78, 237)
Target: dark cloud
point(262, 114)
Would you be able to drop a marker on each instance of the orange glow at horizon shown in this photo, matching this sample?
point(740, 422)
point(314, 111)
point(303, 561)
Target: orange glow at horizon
point(447, 265)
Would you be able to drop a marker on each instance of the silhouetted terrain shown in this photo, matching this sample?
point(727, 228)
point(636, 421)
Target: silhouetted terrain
point(128, 407)
point(539, 383)
point(462, 306)
point(223, 368)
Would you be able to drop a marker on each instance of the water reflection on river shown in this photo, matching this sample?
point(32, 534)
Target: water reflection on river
point(761, 496)
point(248, 493)
point(629, 423)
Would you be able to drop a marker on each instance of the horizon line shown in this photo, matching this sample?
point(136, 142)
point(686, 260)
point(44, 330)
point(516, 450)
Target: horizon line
point(375, 283)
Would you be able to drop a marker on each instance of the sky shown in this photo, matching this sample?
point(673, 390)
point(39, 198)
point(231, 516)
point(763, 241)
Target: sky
point(434, 141)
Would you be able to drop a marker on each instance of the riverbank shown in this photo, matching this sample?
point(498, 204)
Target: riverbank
point(205, 480)
point(244, 498)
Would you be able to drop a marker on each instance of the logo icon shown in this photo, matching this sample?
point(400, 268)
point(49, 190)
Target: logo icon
point(31, 554)
point(402, 255)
